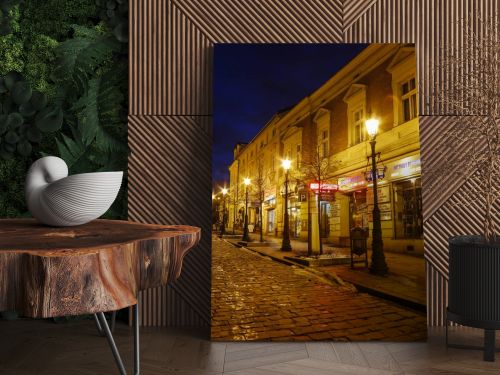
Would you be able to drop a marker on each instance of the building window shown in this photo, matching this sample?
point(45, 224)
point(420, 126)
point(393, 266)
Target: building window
point(409, 99)
point(298, 156)
point(358, 126)
point(356, 110)
point(324, 145)
point(408, 221)
point(404, 85)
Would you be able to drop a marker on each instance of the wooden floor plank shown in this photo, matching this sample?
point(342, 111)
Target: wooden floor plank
point(29, 347)
point(350, 353)
point(378, 356)
point(317, 367)
point(323, 351)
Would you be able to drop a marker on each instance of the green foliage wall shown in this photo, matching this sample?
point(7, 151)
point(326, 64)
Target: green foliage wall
point(63, 91)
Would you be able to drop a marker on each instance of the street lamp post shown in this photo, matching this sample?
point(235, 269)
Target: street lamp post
point(223, 224)
point(246, 235)
point(285, 245)
point(378, 266)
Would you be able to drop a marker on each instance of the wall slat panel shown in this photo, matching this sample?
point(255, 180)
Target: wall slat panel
point(170, 165)
point(263, 21)
point(441, 27)
point(382, 21)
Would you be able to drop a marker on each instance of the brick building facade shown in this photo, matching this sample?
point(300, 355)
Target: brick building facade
point(328, 125)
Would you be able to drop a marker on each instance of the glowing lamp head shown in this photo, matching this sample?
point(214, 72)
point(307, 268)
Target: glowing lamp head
point(246, 181)
point(372, 127)
point(286, 164)
point(224, 191)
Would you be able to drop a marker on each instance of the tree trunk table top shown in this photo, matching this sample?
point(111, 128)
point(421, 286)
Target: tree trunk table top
point(99, 266)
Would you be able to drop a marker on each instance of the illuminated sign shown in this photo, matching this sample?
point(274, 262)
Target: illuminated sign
point(408, 166)
point(324, 186)
point(352, 182)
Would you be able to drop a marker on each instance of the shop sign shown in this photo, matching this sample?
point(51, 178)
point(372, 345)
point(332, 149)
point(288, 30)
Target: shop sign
point(383, 195)
point(351, 182)
point(324, 186)
point(327, 196)
point(408, 166)
point(335, 209)
point(270, 201)
point(384, 206)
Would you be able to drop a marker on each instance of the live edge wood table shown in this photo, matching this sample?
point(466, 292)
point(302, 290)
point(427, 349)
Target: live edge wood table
point(89, 269)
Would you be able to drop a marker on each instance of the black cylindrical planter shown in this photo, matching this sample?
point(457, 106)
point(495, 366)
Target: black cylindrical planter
point(474, 288)
point(474, 282)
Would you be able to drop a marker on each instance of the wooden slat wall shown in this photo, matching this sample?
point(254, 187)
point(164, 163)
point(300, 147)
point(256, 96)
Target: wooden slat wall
point(171, 56)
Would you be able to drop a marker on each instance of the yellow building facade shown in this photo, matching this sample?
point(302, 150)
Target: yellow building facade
point(329, 125)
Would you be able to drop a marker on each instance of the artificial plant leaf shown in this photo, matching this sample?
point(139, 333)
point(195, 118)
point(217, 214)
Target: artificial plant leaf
point(38, 100)
point(3, 124)
point(21, 92)
point(33, 134)
point(9, 147)
point(24, 148)
point(11, 137)
point(27, 109)
point(73, 152)
point(3, 88)
point(14, 120)
point(11, 78)
point(4, 154)
point(99, 113)
point(80, 56)
point(8, 105)
point(49, 119)
point(121, 32)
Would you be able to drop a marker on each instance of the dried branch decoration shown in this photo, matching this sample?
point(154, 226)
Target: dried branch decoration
point(468, 90)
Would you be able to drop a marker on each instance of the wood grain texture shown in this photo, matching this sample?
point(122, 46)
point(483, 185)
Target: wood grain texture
point(99, 266)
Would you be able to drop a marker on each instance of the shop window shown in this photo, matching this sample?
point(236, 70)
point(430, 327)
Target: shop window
point(325, 220)
point(409, 100)
point(358, 210)
point(408, 209)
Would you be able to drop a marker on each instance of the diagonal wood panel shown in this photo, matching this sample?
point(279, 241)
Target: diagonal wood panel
point(170, 62)
point(170, 163)
point(354, 9)
point(382, 21)
point(263, 21)
point(442, 27)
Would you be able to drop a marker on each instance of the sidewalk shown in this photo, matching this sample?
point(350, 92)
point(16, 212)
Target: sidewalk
point(405, 283)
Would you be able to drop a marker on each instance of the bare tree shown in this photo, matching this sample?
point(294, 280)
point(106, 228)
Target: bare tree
point(317, 168)
point(260, 184)
point(469, 91)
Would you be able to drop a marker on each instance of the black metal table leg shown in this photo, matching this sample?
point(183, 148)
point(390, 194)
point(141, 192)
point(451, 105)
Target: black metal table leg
point(113, 324)
point(102, 324)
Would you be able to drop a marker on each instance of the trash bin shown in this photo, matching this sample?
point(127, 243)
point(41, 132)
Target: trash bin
point(359, 246)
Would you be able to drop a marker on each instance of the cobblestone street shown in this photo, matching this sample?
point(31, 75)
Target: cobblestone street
point(256, 298)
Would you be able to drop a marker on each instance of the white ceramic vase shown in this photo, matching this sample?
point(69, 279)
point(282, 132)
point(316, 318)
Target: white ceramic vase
point(56, 199)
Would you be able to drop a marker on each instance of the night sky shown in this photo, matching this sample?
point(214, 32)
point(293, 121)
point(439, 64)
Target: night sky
point(254, 81)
